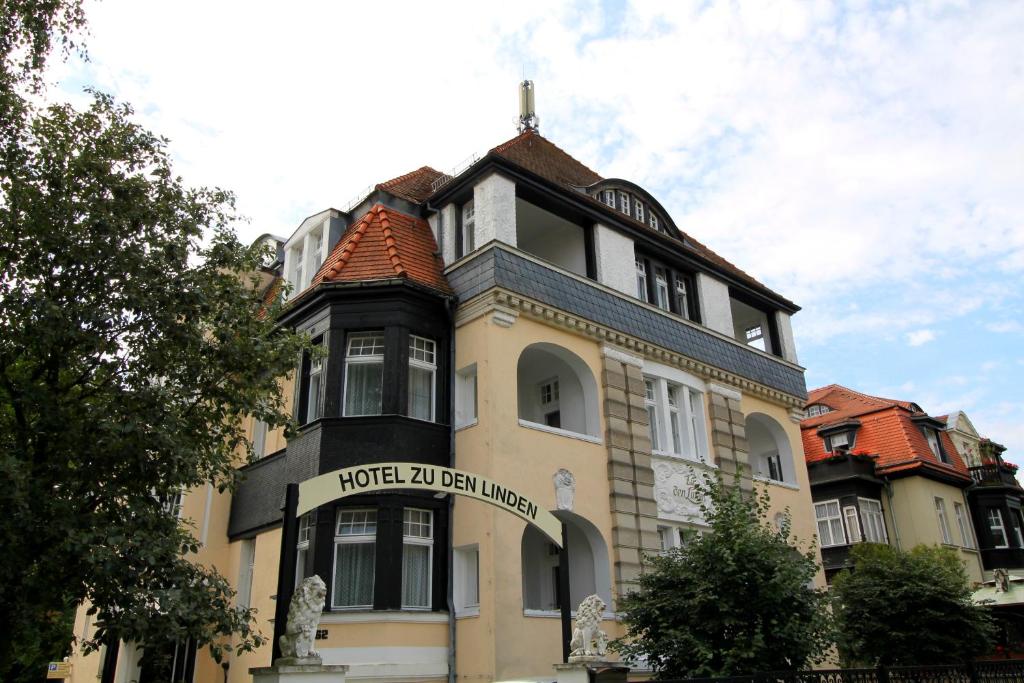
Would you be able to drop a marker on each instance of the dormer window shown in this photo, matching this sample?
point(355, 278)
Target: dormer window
point(653, 220)
point(839, 440)
point(936, 445)
point(609, 198)
point(306, 251)
point(816, 410)
point(467, 229)
point(638, 210)
point(624, 203)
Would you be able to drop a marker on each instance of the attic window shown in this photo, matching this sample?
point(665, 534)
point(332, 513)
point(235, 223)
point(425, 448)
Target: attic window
point(609, 198)
point(624, 203)
point(654, 222)
point(839, 440)
point(936, 445)
point(639, 210)
point(816, 410)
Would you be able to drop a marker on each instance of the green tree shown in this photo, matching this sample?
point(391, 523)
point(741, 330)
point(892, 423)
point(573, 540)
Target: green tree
point(736, 601)
point(914, 607)
point(130, 349)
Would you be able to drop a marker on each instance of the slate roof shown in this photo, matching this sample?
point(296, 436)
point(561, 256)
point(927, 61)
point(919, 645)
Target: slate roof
point(887, 432)
point(382, 245)
point(535, 153)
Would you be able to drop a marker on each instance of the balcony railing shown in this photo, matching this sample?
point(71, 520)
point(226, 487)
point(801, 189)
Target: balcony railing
point(994, 475)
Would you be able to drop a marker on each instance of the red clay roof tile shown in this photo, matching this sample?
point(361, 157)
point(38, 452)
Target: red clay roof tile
point(385, 244)
point(886, 431)
point(415, 186)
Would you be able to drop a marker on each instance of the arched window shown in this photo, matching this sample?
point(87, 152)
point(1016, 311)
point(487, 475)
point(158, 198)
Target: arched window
point(589, 571)
point(770, 454)
point(557, 390)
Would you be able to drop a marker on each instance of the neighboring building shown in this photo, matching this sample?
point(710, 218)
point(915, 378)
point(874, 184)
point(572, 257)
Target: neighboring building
point(522, 317)
point(883, 471)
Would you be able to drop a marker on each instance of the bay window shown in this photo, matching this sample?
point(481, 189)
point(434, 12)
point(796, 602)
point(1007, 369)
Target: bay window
point(364, 372)
point(309, 399)
point(651, 402)
point(467, 229)
point(355, 541)
point(872, 520)
point(641, 279)
point(661, 289)
point(302, 548)
point(422, 373)
point(997, 529)
point(830, 524)
point(417, 557)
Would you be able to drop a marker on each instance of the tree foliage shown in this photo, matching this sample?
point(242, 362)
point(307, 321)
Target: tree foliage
point(28, 29)
point(130, 349)
point(736, 601)
point(915, 607)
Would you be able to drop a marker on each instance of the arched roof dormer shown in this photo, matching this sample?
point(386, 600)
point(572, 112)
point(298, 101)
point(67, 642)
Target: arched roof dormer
point(635, 202)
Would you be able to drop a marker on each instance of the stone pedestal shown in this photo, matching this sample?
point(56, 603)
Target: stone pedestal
point(299, 671)
point(587, 669)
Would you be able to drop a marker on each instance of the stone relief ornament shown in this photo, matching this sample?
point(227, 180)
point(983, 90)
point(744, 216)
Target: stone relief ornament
point(676, 490)
point(588, 642)
point(303, 616)
point(565, 489)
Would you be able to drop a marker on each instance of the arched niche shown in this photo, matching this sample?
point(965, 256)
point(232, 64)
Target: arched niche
point(771, 456)
point(556, 389)
point(589, 570)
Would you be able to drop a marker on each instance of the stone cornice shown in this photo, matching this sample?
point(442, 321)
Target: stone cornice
point(503, 304)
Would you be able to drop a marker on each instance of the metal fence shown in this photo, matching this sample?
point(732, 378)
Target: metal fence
point(1009, 671)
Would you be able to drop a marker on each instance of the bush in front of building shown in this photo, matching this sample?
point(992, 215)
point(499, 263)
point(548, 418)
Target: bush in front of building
point(907, 608)
point(738, 600)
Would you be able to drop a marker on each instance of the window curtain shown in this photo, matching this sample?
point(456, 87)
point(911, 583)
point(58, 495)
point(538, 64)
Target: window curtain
point(363, 388)
point(415, 575)
point(353, 574)
point(421, 389)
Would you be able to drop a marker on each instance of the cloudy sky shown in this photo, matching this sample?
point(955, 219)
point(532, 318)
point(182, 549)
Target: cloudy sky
point(866, 160)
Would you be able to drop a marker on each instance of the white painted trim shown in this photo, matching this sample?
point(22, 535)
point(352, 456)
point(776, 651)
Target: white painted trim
point(390, 663)
point(774, 482)
point(384, 617)
point(560, 432)
point(474, 423)
point(724, 391)
point(621, 356)
point(557, 614)
point(206, 515)
point(467, 612)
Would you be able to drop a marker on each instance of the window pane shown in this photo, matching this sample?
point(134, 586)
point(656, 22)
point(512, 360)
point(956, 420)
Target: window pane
point(371, 344)
point(357, 522)
point(421, 393)
point(353, 574)
point(363, 388)
point(415, 575)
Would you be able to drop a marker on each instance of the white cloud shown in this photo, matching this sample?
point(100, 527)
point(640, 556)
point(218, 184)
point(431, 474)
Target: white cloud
point(920, 337)
point(1005, 326)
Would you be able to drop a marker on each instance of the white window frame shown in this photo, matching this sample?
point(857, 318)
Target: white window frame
point(851, 519)
point(624, 203)
point(423, 358)
point(653, 221)
point(638, 209)
point(259, 438)
point(315, 389)
point(354, 539)
point(467, 227)
point(1015, 525)
point(609, 198)
point(872, 520)
point(998, 524)
point(549, 400)
point(466, 397)
point(641, 279)
point(661, 289)
point(830, 522)
point(246, 569)
point(356, 359)
point(816, 410)
point(844, 436)
point(302, 547)
point(943, 519)
point(682, 300)
point(428, 541)
point(960, 512)
point(673, 536)
point(773, 461)
point(684, 416)
point(466, 580)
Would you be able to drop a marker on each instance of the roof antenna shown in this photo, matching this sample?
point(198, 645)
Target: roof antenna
point(527, 112)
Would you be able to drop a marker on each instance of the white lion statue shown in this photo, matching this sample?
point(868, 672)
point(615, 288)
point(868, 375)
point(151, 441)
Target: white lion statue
point(588, 640)
point(303, 616)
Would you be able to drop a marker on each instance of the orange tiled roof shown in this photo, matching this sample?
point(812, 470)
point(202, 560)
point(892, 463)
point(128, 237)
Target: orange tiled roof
point(414, 186)
point(886, 431)
point(385, 244)
point(533, 152)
